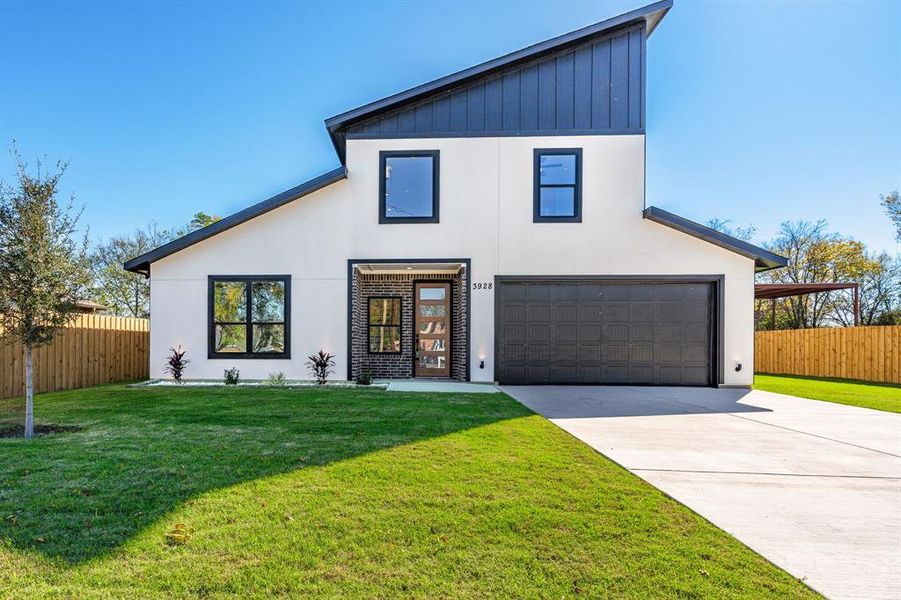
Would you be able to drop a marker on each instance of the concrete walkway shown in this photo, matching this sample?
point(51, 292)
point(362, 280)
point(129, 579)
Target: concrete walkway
point(813, 486)
point(439, 386)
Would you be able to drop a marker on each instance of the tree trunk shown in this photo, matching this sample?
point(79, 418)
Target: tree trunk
point(29, 394)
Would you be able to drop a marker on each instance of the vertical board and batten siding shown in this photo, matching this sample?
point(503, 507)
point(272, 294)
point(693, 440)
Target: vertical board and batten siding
point(865, 353)
point(594, 87)
point(93, 349)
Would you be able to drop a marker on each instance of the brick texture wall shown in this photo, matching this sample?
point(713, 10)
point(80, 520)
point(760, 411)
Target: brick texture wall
point(367, 285)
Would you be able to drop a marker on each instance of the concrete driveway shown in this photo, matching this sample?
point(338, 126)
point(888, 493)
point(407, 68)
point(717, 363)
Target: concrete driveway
point(813, 486)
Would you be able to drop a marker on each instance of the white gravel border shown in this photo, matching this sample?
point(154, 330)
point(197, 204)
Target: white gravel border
point(252, 383)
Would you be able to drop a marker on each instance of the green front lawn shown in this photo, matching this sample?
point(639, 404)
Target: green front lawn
point(357, 493)
point(881, 396)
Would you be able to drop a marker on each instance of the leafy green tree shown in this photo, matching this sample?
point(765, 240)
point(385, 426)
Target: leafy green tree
point(892, 204)
point(892, 317)
point(814, 256)
point(43, 269)
point(880, 294)
point(198, 221)
point(201, 220)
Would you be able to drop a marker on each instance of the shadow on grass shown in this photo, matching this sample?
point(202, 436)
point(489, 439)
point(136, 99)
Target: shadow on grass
point(142, 452)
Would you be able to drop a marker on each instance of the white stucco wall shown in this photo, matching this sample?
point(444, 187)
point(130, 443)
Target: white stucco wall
point(485, 215)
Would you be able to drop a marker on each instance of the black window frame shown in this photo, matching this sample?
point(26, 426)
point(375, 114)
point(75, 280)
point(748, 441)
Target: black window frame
point(576, 217)
point(248, 318)
point(386, 154)
point(370, 325)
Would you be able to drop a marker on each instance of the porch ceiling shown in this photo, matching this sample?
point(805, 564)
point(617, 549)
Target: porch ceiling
point(436, 267)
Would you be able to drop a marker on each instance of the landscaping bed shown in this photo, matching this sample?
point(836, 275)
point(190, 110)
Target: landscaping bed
point(254, 383)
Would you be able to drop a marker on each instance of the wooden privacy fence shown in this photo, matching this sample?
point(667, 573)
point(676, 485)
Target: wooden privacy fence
point(93, 349)
point(866, 353)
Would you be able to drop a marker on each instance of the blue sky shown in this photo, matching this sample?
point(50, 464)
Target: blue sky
point(758, 112)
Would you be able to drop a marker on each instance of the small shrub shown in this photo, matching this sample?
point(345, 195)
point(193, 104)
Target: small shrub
point(276, 379)
point(176, 363)
point(321, 366)
point(364, 378)
point(231, 376)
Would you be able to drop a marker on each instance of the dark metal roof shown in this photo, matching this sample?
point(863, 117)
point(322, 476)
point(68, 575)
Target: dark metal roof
point(782, 290)
point(649, 15)
point(141, 264)
point(763, 259)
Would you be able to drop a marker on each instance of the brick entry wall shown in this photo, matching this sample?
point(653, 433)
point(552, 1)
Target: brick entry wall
point(366, 285)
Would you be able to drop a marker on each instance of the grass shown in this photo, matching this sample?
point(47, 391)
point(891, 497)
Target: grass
point(881, 396)
point(352, 493)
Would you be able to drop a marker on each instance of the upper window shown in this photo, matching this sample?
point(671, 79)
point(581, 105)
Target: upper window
point(384, 325)
point(408, 187)
point(558, 185)
point(249, 316)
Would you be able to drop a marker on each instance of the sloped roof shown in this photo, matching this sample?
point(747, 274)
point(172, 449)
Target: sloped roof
point(141, 264)
point(650, 15)
point(764, 260)
point(771, 291)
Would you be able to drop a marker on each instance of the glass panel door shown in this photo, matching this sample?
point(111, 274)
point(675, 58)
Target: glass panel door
point(433, 314)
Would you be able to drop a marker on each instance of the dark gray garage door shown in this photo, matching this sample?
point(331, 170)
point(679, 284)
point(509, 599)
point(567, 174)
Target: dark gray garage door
point(604, 332)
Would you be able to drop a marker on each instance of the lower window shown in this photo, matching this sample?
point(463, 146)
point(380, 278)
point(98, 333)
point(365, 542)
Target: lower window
point(249, 316)
point(384, 325)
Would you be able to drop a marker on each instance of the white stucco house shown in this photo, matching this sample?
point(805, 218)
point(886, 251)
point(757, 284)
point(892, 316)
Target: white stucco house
point(490, 225)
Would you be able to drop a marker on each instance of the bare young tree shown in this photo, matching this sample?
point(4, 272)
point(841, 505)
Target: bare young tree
point(122, 292)
point(891, 202)
point(43, 269)
point(744, 233)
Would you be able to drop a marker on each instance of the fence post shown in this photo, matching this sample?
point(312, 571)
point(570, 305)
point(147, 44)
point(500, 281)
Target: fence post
point(91, 350)
point(866, 353)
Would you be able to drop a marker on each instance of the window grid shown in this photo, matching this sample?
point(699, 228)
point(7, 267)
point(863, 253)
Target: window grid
point(248, 323)
point(396, 324)
point(576, 186)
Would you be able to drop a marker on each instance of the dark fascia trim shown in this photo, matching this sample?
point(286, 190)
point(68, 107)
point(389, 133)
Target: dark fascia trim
point(718, 325)
point(650, 15)
point(369, 324)
point(764, 260)
point(211, 336)
point(536, 185)
point(467, 296)
point(435, 155)
point(141, 264)
point(400, 135)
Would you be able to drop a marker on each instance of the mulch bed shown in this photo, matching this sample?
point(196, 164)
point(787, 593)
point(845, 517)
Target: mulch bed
point(17, 431)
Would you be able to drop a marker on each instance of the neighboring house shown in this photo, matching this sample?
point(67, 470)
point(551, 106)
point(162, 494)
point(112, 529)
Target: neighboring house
point(488, 226)
point(89, 307)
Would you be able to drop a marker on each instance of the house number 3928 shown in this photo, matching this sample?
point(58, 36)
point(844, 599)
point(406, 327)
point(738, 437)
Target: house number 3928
point(482, 285)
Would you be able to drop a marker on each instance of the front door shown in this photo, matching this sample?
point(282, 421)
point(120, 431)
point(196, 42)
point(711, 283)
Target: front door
point(433, 323)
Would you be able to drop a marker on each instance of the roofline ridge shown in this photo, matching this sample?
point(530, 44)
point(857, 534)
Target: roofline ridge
point(141, 264)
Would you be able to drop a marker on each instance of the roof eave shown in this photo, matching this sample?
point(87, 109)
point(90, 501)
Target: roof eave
point(650, 14)
point(764, 260)
point(141, 264)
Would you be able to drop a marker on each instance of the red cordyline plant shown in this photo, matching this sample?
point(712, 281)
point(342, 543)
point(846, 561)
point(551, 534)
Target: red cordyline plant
point(176, 363)
point(321, 366)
